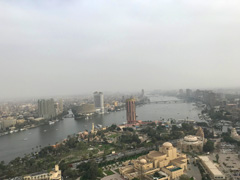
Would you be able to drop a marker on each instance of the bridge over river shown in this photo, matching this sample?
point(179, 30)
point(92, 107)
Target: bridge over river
point(168, 101)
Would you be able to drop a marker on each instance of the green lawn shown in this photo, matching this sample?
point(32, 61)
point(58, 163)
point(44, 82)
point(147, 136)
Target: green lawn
point(113, 135)
point(109, 172)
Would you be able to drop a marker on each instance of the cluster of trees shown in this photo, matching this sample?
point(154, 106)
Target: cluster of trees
point(227, 138)
point(155, 133)
point(185, 177)
point(180, 132)
point(44, 159)
point(89, 171)
point(202, 124)
point(219, 115)
point(209, 146)
point(208, 134)
point(159, 133)
point(129, 138)
point(28, 164)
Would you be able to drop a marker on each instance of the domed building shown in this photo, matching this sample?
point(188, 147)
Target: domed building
point(166, 160)
point(192, 143)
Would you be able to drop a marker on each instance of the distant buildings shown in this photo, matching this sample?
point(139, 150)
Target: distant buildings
point(60, 105)
point(131, 111)
point(166, 161)
point(208, 97)
point(46, 108)
point(99, 101)
point(189, 93)
point(142, 93)
point(85, 109)
point(181, 93)
point(7, 122)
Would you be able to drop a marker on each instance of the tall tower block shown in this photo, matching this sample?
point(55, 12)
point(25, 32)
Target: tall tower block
point(131, 111)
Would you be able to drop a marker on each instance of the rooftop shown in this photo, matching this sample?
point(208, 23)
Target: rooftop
point(167, 144)
point(155, 154)
point(38, 173)
point(215, 171)
point(172, 168)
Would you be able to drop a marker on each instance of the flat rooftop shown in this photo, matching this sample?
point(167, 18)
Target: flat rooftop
point(173, 168)
point(215, 171)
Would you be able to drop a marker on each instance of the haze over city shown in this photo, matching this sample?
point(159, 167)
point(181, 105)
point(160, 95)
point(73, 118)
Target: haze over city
point(119, 90)
point(71, 47)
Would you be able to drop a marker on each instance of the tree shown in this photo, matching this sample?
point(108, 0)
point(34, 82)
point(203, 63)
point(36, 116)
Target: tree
point(209, 146)
point(89, 170)
point(156, 174)
point(119, 129)
point(217, 157)
point(184, 177)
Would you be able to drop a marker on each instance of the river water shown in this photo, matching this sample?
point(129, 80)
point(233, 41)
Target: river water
point(18, 144)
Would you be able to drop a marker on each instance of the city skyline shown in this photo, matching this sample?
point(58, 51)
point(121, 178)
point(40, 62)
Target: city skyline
point(70, 47)
point(134, 90)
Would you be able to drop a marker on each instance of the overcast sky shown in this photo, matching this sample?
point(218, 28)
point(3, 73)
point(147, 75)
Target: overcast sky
point(64, 47)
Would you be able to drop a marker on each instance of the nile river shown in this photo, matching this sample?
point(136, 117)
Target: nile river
point(18, 144)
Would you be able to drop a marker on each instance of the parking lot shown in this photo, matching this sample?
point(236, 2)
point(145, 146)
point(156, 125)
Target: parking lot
point(228, 162)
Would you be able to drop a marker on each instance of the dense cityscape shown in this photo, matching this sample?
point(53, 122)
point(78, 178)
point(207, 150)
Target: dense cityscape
point(206, 148)
point(119, 90)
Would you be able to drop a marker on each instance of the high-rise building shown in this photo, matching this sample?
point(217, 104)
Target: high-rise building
point(57, 110)
point(99, 101)
point(60, 105)
point(188, 93)
point(142, 94)
point(131, 111)
point(46, 108)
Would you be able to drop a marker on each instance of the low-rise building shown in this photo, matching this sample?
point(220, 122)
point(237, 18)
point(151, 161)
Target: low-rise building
point(166, 159)
point(235, 135)
point(192, 143)
point(10, 121)
point(211, 168)
point(56, 174)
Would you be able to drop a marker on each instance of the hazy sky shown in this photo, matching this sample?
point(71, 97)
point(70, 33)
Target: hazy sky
point(58, 47)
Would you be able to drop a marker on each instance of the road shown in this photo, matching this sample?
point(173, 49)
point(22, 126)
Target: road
point(111, 157)
point(131, 152)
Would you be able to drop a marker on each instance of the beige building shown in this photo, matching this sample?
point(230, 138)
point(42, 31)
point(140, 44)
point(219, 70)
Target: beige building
point(192, 143)
point(235, 135)
point(53, 175)
point(7, 122)
point(211, 168)
point(166, 159)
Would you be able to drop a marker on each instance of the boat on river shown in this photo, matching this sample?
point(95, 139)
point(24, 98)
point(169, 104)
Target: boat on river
point(51, 122)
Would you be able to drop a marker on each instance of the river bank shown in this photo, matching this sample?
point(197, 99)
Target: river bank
point(14, 145)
